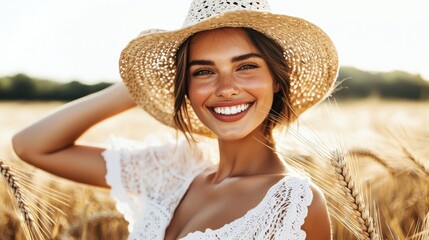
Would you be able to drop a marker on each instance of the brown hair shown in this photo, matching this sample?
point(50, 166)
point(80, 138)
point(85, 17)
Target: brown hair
point(273, 55)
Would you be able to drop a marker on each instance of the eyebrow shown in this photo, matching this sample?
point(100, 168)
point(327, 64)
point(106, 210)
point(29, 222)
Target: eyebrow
point(234, 59)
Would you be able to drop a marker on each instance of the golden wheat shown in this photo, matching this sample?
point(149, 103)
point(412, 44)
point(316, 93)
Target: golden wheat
point(419, 163)
point(353, 194)
point(318, 150)
point(328, 171)
point(98, 218)
point(36, 212)
point(399, 137)
point(16, 191)
point(360, 152)
point(402, 199)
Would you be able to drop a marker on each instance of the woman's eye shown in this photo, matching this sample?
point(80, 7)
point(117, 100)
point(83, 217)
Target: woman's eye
point(202, 72)
point(247, 66)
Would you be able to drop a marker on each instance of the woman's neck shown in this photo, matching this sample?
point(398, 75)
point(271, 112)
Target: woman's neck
point(252, 155)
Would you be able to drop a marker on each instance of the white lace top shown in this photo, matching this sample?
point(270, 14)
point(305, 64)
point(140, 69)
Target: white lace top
point(149, 182)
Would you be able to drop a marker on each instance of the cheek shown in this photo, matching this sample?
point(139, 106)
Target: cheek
point(264, 92)
point(260, 88)
point(198, 93)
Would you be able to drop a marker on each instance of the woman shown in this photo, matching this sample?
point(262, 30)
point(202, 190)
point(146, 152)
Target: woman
point(234, 72)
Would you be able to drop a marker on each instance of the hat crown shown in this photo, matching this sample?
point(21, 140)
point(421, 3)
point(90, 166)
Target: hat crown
point(203, 9)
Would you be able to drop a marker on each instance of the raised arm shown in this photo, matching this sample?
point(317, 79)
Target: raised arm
point(49, 144)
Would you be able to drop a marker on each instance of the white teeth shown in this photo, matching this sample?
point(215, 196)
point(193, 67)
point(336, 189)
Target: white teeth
point(231, 110)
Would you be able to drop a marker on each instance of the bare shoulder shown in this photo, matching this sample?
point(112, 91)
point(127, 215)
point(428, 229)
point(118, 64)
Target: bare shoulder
point(317, 224)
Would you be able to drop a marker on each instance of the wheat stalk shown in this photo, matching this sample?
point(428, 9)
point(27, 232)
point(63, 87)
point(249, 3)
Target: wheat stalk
point(318, 165)
point(353, 195)
point(37, 212)
point(344, 202)
point(15, 189)
point(360, 152)
point(423, 228)
point(420, 165)
point(400, 137)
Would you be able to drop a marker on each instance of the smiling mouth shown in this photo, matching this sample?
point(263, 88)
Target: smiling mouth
point(231, 110)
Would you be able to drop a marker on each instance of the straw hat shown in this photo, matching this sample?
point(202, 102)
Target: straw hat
point(147, 64)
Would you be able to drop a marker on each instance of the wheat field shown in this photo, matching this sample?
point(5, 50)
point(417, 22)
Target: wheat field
point(379, 188)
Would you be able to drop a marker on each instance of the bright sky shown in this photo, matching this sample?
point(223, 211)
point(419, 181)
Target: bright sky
point(81, 40)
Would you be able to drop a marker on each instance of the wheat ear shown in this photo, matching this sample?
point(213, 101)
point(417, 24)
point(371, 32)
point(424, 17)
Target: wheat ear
point(420, 165)
point(360, 152)
point(353, 195)
point(35, 203)
point(14, 187)
point(398, 137)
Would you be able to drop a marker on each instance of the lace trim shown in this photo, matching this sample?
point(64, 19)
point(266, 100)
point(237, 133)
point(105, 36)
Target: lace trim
point(127, 203)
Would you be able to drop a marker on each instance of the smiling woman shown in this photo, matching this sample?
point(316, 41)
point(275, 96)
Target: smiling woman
point(257, 58)
point(235, 75)
point(233, 72)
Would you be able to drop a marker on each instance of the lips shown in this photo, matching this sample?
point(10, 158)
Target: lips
point(230, 113)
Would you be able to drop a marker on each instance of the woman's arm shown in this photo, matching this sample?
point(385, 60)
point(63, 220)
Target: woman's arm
point(49, 144)
point(317, 224)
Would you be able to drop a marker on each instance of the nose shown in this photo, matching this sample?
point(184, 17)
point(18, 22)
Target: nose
point(227, 86)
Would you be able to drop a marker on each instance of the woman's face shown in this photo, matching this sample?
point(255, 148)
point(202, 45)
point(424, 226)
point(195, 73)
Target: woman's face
point(230, 86)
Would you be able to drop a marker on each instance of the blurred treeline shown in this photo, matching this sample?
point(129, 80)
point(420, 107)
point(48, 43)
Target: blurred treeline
point(23, 87)
point(355, 84)
point(389, 85)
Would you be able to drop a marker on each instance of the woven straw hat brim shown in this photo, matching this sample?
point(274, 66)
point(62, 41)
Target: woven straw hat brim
point(147, 64)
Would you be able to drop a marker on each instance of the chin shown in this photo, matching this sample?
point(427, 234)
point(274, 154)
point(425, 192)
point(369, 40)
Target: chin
point(231, 135)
